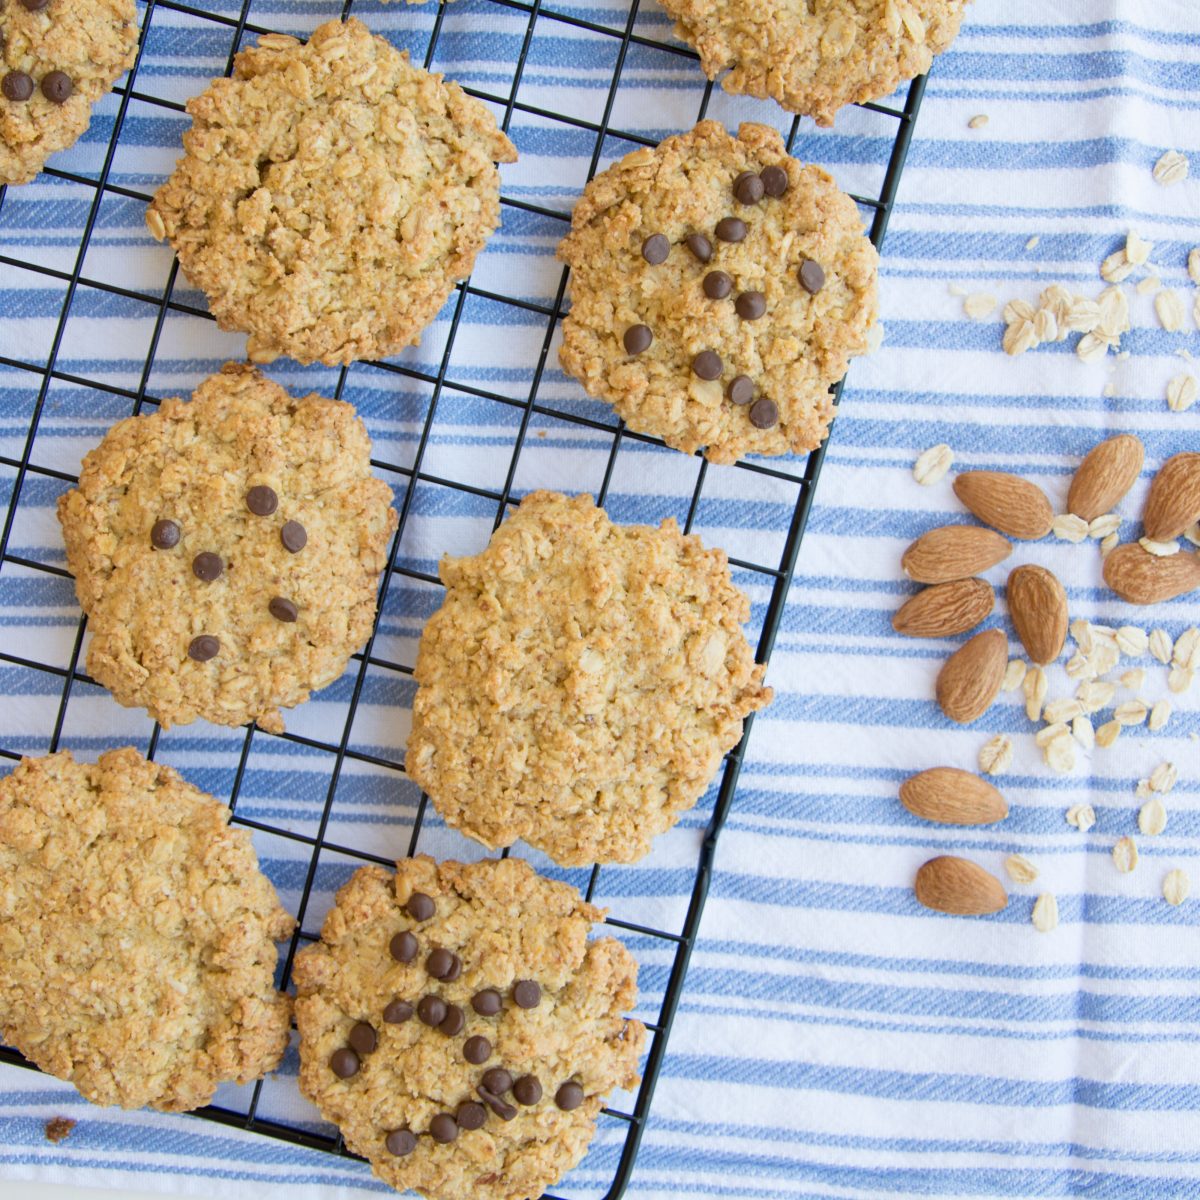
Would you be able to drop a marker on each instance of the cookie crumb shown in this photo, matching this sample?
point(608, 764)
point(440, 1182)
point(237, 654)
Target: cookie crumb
point(58, 1129)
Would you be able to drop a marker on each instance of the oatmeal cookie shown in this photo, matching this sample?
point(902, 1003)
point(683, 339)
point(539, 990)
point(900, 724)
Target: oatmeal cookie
point(57, 58)
point(815, 57)
point(136, 934)
point(461, 1030)
point(330, 195)
point(227, 551)
point(718, 290)
point(580, 682)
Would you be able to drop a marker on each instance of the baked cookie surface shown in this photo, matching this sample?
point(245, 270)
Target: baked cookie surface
point(330, 194)
point(57, 58)
point(227, 550)
point(580, 682)
point(136, 934)
point(461, 1030)
point(815, 57)
point(718, 290)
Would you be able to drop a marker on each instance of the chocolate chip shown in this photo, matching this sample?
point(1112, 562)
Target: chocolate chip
point(452, 1023)
point(397, 1012)
point(707, 364)
point(477, 1050)
point(638, 338)
point(764, 413)
point(344, 1063)
point(16, 86)
point(443, 1128)
point(812, 276)
point(165, 535)
point(526, 993)
point(282, 609)
point(204, 647)
point(569, 1097)
point(700, 246)
point(35, 5)
point(487, 1003)
point(363, 1038)
point(731, 229)
point(419, 906)
point(444, 965)
point(497, 1081)
point(207, 566)
point(748, 188)
point(261, 500)
point(401, 1142)
point(774, 180)
point(57, 87)
point(293, 537)
point(740, 389)
point(717, 285)
point(750, 305)
point(404, 947)
point(470, 1115)
point(504, 1111)
point(431, 1010)
point(527, 1090)
point(655, 249)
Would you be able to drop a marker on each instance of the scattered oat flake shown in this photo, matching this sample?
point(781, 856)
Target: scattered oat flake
point(1032, 243)
point(1160, 714)
point(1017, 310)
point(1035, 687)
point(1143, 791)
point(1045, 913)
point(978, 121)
point(1060, 753)
point(1176, 886)
point(979, 305)
point(1014, 675)
point(1109, 544)
point(1170, 168)
point(1116, 267)
point(1101, 527)
point(1132, 641)
point(1163, 778)
point(1194, 264)
point(996, 755)
point(58, 1129)
point(932, 466)
point(1169, 309)
point(1150, 284)
point(1137, 249)
point(1133, 679)
point(1187, 649)
point(1062, 710)
point(1068, 527)
point(1125, 855)
point(1179, 680)
point(1160, 645)
point(1158, 549)
point(1152, 817)
point(1132, 712)
point(1084, 732)
point(1019, 337)
point(1108, 391)
point(1082, 816)
point(1020, 869)
point(1181, 392)
point(1091, 348)
point(1107, 734)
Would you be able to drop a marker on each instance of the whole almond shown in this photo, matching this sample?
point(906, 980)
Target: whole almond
point(971, 677)
point(945, 609)
point(953, 797)
point(1174, 501)
point(1105, 476)
point(959, 886)
point(1144, 578)
point(1037, 604)
point(954, 552)
point(1006, 502)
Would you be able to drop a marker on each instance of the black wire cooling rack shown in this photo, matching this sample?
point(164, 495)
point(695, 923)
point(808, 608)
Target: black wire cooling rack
point(615, 42)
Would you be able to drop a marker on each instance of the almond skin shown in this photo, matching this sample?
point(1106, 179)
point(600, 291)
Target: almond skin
point(953, 797)
point(1006, 502)
point(954, 552)
point(1143, 578)
point(1037, 604)
point(1105, 476)
point(1174, 501)
point(959, 886)
point(971, 677)
point(945, 609)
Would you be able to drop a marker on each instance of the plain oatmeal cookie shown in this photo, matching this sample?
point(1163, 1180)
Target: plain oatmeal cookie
point(136, 934)
point(330, 195)
point(227, 550)
point(814, 56)
point(461, 1030)
point(57, 58)
point(580, 682)
point(718, 289)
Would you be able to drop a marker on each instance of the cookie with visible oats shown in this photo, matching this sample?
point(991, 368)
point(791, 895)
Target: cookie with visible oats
point(580, 682)
point(330, 195)
point(136, 934)
point(718, 290)
point(460, 1028)
point(815, 58)
point(57, 58)
point(227, 550)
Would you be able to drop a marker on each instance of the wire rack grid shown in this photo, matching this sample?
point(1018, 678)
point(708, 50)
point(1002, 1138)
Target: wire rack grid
point(619, 40)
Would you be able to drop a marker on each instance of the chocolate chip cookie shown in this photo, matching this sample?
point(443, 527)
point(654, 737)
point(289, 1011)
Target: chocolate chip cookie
point(136, 934)
point(815, 58)
point(57, 58)
point(718, 290)
point(227, 550)
point(461, 1030)
point(330, 195)
point(580, 682)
